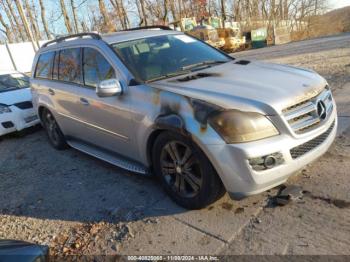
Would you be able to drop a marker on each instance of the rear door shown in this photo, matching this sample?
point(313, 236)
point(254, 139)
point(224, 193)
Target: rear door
point(65, 89)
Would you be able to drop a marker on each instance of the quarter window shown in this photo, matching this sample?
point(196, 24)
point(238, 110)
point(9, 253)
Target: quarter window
point(44, 65)
point(96, 68)
point(69, 69)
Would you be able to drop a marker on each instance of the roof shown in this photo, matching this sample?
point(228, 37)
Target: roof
point(110, 38)
point(122, 36)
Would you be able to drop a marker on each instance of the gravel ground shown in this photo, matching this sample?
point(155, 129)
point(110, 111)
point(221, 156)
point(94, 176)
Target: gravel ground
point(76, 204)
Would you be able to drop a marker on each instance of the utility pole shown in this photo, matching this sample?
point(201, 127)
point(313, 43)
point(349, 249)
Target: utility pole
point(8, 50)
point(25, 23)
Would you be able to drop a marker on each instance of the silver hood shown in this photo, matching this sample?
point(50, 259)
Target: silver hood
point(261, 87)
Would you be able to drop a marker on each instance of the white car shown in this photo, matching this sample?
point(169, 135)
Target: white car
point(16, 108)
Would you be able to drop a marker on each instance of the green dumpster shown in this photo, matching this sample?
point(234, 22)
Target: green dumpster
point(259, 38)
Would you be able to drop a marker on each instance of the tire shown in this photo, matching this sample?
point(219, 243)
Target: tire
point(185, 172)
point(53, 131)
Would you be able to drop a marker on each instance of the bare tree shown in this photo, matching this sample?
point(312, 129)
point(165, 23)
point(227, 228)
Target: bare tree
point(84, 26)
point(125, 15)
point(66, 17)
point(108, 25)
point(26, 25)
point(33, 23)
point(7, 29)
point(143, 10)
point(116, 7)
point(76, 27)
point(223, 13)
point(19, 26)
point(43, 19)
point(9, 18)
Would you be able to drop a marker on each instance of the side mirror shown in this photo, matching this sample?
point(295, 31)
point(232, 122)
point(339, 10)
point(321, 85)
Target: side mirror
point(110, 87)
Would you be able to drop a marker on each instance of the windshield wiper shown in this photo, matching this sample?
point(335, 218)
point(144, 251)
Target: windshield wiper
point(177, 73)
point(209, 62)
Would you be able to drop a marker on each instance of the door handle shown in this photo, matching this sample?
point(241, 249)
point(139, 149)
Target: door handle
point(84, 101)
point(51, 92)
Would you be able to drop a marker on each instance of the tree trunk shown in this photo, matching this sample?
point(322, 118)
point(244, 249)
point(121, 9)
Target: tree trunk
point(26, 25)
point(35, 15)
point(75, 20)
point(116, 7)
point(165, 16)
point(32, 20)
point(180, 10)
point(85, 28)
point(7, 29)
point(66, 17)
point(173, 10)
point(142, 2)
point(18, 25)
point(125, 15)
point(223, 13)
point(140, 12)
point(109, 26)
point(43, 19)
point(12, 26)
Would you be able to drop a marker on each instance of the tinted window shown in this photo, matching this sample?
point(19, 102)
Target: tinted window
point(96, 68)
point(69, 65)
point(44, 66)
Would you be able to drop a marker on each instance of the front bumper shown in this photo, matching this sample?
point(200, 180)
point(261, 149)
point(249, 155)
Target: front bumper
point(231, 161)
point(17, 120)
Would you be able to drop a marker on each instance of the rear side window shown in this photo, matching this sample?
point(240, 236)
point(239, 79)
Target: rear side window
point(44, 65)
point(96, 68)
point(69, 69)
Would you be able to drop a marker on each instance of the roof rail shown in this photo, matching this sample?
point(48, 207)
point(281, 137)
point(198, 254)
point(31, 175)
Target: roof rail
point(162, 27)
point(81, 35)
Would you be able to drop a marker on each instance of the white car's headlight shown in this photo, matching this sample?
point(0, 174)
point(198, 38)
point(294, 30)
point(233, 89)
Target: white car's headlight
point(4, 109)
point(236, 126)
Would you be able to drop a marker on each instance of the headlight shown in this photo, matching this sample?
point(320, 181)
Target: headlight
point(236, 127)
point(4, 109)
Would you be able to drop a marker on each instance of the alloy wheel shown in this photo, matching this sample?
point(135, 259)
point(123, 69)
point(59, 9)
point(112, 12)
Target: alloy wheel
point(51, 127)
point(181, 169)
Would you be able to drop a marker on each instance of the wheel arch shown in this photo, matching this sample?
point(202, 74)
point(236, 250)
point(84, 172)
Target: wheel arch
point(41, 109)
point(163, 123)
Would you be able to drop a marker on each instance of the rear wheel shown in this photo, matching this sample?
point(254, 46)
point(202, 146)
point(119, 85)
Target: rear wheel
point(53, 131)
point(185, 172)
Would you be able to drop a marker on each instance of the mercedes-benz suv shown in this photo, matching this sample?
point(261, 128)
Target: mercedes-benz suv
point(157, 101)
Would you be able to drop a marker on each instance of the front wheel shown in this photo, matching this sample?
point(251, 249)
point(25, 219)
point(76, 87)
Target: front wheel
point(53, 131)
point(185, 172)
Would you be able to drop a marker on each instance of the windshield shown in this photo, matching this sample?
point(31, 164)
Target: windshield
point(165, 56)
point(13, 81)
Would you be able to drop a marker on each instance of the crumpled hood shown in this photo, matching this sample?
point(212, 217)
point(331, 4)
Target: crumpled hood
point(15, 96)
point(257, 86)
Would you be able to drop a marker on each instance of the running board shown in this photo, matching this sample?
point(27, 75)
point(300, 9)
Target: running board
point(111, 158)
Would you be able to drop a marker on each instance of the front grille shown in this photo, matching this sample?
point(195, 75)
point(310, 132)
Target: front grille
point(310, 145)
point(24, 105)
point(305, 116)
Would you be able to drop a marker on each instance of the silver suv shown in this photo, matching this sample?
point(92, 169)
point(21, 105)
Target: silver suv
point(158, 101)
